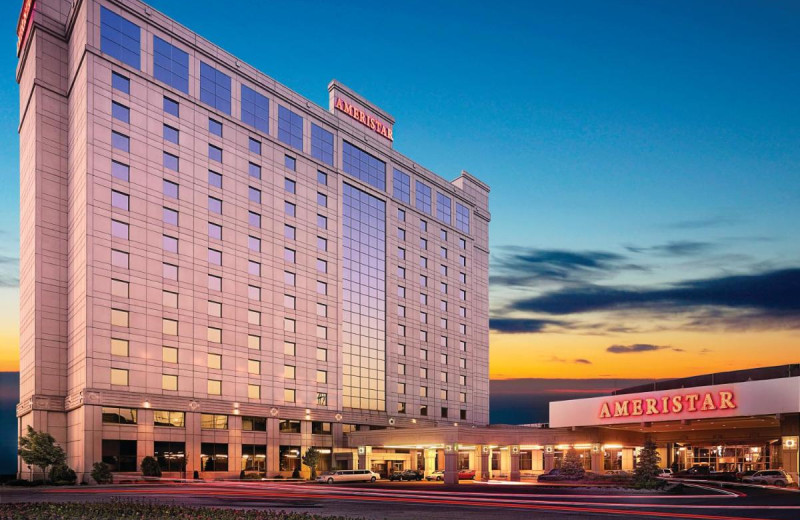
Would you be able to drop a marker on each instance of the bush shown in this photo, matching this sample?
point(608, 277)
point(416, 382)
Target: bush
point(150, 467)
point(18, 482)
point(571, 466)
point(101, 473)
point(61, 474)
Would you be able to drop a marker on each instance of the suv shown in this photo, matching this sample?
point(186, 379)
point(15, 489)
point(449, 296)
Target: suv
point(774, 477)
point(408, 474)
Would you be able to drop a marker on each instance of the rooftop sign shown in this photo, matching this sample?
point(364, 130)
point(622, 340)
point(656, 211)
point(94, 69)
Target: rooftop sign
point(22, 23)
point(342, 100)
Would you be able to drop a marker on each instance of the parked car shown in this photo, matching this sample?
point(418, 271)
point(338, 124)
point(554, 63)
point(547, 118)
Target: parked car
point(742, 474)
point(665, 473)
point(466, 474)
point(408, 474)
point(436, 475)
point(348, 475)
point(772, 477)
point(705, 473)
point(617, 473)
point(552, 475)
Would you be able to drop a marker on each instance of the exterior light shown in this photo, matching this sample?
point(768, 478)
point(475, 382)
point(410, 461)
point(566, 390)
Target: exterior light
point(146, 403)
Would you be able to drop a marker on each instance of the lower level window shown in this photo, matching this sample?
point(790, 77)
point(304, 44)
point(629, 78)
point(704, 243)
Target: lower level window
point(254, 457)
point(213, 457)
point(120, 455)
point(290, 458)
point(171, 456)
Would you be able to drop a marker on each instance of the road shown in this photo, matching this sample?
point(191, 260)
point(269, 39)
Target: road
point(407, 501)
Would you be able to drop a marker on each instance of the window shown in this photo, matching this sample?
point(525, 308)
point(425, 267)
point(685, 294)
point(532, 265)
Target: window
point(401, 234)
point(170, 65)
point(169, 354)
point(214, 153)
point(290, 162)
point(401, 253)
point(254, 170)
point(171, 106)
point(322, 222)
point(170, 161)
point(322, 354)
point(254, 219)
point(169, 382)
point(423, 391)
point(169, 327)
point(290, 128)
point(289, 325)
point(289, 426)
point(120, 171)
point(401, 214)
point(289, 301)
point(401, 291)
point(462, 363)
point(214, 335)
point(169, 299)
point(213, 457)
point(443, 252)
point(423, 373)
point(170, 189)
point(443, 234)
point(119, 347)
point(423, 202)
point(322, 178)
point(401, 186)
point(322, 376)
point(363, 166)
point(254, 424)
point(321, 428)
point(214, 231)
point(289, 348)
point(289, 278)
point(443, 208)
point(322, 244)
point(462, 346)
point(214, 282)
point(119, 259)
point(462, 380)
point(322, 199)
point(322, 332)
point(119, 229)
point(169, 419)
point(289, 255)
point(254, 244)
point(120, 38)
point(254, 292)
point(214, 127)
point(444, 412)
point(254, 145)
point(423, 225)
point(119, 455)
point(322, 265)
point(289, 395)
point(213, 422)
point(462, 277)
point(253, 391)
point(120, 82)
point(463, 415)
point(443, 287)
point(321, 144)
point(215, 88)
point(423, 280)
point(254, 342)
point(423, 354)
point(214, 309)
point(169, 244)
point(322, 310)
point(119, 377)
point(423, 262)
point(289, 208)
point(462, 261)
point(215, 205)
point(119, 415)
point(214, 179)
point(289, 185)
point(119, 200)
point(289, 232)
point(462, 221)
point(171, 134)
point(322, 288)
point(254, 268)
point(255, 109)
point(401, 330)
point(120, 112)
point(401, 369)
point(214, 387)
point(120, 141)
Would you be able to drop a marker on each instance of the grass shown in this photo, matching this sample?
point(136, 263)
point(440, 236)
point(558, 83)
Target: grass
point(127, 510)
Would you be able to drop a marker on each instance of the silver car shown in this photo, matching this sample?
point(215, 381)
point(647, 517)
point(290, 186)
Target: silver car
point(771, 477)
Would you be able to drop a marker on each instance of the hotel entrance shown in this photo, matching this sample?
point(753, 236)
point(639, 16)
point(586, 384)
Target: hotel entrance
point(731, 457)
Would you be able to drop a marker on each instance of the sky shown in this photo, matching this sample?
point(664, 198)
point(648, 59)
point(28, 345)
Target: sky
point(643, 158)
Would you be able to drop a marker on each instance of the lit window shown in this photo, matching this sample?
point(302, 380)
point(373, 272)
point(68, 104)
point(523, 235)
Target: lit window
point(119, 377)
point(254, 342)
point(322, 354)
point(119, 347)
point(119, 318)
point(169, 382)
point(289, 395)
point(214, 335)
point(169, 299)
point(289, 325)
point(289, 348)
point(214, 361)
point(169, 327)
point(169, 354)
point(214, 309)
point(214, 387)
point(253, 391)
point(253, 366)
point(289, 372)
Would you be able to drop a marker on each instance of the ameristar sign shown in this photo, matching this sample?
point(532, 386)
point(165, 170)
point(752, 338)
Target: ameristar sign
point(365, 119)
point(668, 404)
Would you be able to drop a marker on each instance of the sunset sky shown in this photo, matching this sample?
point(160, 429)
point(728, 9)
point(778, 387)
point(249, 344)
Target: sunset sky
point(644, 161)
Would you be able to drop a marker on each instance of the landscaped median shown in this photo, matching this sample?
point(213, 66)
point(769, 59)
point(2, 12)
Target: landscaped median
point(124, 510)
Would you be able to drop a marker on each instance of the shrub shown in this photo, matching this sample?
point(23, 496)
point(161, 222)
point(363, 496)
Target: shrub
point(571, 466)
point(61, 474)
point(150, 467)
point(101, 473)
point(645, 476)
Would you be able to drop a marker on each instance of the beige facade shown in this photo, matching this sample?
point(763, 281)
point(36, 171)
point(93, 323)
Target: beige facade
point(208, 267)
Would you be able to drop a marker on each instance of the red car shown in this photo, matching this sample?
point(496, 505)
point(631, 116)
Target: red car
point(466, 474)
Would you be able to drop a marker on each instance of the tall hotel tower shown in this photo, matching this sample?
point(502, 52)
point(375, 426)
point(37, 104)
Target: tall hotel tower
point(219, 273)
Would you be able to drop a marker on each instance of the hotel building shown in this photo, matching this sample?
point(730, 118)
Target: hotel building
point(219, 273)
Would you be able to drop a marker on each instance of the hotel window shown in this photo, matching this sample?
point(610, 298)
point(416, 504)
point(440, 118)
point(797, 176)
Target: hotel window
point(289, 395)
point(169, 299)
point(120, 38)
point(462, 363)
point(443, 252)
point(290, 162)
point(401, 388)
point(321, 428)
point(119, 229)
point(443, 360)
point(322, 222)
point(321, 144)
point(170, 161)
point(253, 366)
point(401, 291)
point(215, 88)
point(462, 380)
point(170, 65)
point(443, 323)
point(289, 426)
point(443, 305)
point(322, 178)
point(444, 412)
point(423, 244)
point(214, 153)
point(462, 328)
point(462, 277)
point(401, 234)
point(462, 311)
point(120, 82)
point(443, 341)
point(290, 232)
point(322, 244)
point(401, 369)
point(120, 112)
point(289, 185)
point(214, 127)
point(119, 200)
point(214, 257)
point(214, 335)
point(119, 288)
point(120, 141)
point(322, 377)
point(119, 259)
point(214, 309)
point(170, 382)
point(289, 348)
point(119, 347)
point(401, 407)
point(462, 221)
point(170, 216)
point(214, 231)
point(169, 419)
point(443, 210)
point(254, 293)
point(401, 253)
point(423, 317)
point(401, 272)
point(169, 327)
point(289, 278)
point(254, 145)
point(363, 166)
point(119, 377)
point(253, 268)
point(322, 354)
point(213, 457)
point(463, 415)
point(423, 373)
point(171, 134)
point(254, 219)
point(423, 354)
point(214, 387)
point(322, 310)
point(462, 294)
point(169, 244)
point(289, 301)
point(423, 225)
point(443, 395)
point(401, 311)
point(322, 288)
point(423, 201)
point(322, 332)
point(119, 415)
point(170, 189)
point(462, 346)
point(254, 424)
point(423, 262)
point(213, 421)
point(443, 287)
point(120, 171)
point(443, 234)
point(423, 299)
point(214, 179)
point(290, 128)
point(253, 391)
point(290, 255)
point(254, 170)
point(169, 354)
point(322, 199)
point(214, 282)
point(423, 280)
point(289, 208)
point(170, 271)
point(401, 186)
point(401, 330)
point(401, 214)
point(423, 410)
point(171, 107)
point(254, 244)
point(255, 109)
point(423, 391)
point(463, 245)
point(289, 325)
point(254, 342)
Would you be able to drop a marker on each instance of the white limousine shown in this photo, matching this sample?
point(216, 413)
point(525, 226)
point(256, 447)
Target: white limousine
point(348, 475)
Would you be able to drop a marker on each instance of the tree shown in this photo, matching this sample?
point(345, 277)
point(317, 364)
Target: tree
point(101, 473)
point(40, 449)
point(150, 467)
point(311, 459)
point(572, 466)
point(645, 475)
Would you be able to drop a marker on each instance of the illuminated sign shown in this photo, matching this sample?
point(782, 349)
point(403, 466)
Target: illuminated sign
point(668, 404)
point(22, 23)
point(371, 122)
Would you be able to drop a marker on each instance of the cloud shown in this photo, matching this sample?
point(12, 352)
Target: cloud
point(676, 248)
point(704, 223)
point(579, 361)
point(521, 325)
point(9, 271)
point(638, 347)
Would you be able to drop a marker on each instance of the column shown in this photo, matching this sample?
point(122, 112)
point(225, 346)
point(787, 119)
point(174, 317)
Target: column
point(513, 474)
point(482, 463)
point(549, 458)
point(364, 454)
point(627, 459)
point(537, 460)
point(430, 461)
point(273, 447)
point(450, 464)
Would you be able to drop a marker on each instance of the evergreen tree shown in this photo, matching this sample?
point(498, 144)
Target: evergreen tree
point(572, 466)
point(101, 473)
point(40, 449)
point(645, 475)
point(311, 459)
